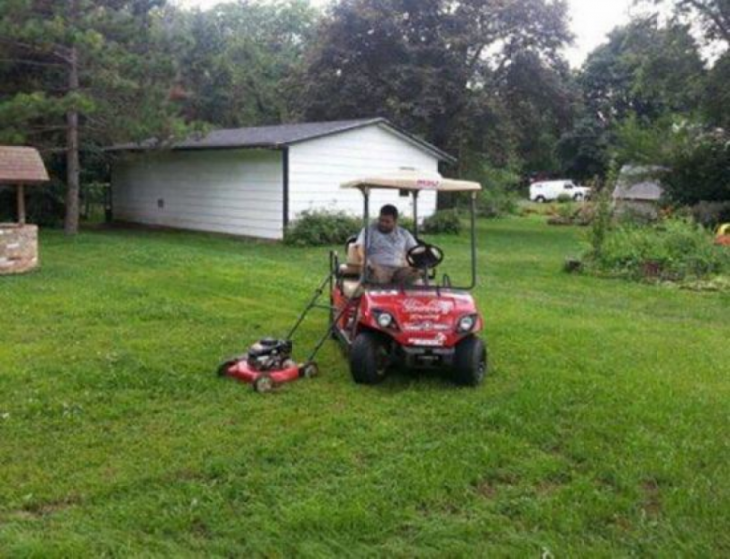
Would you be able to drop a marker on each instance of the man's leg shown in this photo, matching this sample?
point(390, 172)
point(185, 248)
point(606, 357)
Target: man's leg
point(406, 276)
point(381, 274)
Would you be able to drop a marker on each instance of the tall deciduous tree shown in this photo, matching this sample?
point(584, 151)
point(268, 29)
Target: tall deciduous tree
point(80, 73)
point(645, 70)
point(234, 59)
point(713, 16)
point(437, 67)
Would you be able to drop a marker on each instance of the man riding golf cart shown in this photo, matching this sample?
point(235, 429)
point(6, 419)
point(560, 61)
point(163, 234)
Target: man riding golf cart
point(387, 312)
point(387, 246)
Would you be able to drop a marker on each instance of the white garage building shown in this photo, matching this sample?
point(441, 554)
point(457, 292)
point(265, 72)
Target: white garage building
point(254, 181)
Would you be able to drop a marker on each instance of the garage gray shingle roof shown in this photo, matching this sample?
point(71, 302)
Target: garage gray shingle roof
point(276, 136)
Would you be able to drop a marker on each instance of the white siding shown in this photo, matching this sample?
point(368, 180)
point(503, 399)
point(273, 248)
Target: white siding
point(318, 167)
point(238, 192)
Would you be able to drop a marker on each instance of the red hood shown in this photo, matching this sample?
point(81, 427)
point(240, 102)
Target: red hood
point(421, 314)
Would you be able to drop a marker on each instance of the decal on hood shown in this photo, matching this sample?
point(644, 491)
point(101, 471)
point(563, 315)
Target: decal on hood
point(428, 306)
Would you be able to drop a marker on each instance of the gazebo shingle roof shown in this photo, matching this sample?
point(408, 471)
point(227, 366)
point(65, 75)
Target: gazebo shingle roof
point(21, 165)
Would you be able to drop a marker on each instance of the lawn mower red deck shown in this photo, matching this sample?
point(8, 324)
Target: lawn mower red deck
point(267, 364)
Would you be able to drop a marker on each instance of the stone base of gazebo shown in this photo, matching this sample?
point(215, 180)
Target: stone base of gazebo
point(18, 248)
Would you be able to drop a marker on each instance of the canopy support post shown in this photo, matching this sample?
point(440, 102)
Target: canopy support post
point(415, 214)
point(473, 240)
point(21, 204)
point(366, 224)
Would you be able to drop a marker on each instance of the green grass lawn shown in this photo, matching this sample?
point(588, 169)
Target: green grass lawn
point(603, 430)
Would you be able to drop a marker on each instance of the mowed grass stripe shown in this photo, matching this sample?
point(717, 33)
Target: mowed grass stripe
point(602, 431)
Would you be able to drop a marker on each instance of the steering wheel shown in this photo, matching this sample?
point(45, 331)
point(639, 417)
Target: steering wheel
point(424, 256)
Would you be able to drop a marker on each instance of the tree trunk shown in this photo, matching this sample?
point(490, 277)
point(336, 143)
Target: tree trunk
point(71, 224)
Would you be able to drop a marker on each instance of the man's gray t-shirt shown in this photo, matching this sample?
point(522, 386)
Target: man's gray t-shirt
point(387, 249)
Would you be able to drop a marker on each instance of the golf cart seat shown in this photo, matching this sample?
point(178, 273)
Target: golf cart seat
point(350, 272)
point(352, 268)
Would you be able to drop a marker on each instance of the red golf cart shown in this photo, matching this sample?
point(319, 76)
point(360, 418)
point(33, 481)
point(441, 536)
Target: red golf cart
point(432, 324)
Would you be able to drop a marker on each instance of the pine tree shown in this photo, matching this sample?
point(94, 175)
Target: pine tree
point(78, 74)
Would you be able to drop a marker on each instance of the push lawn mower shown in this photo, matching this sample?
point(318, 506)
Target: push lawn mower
point(428, 325)
point(268, 363)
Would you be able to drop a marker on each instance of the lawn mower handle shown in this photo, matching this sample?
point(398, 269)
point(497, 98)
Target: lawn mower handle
point(312, 304)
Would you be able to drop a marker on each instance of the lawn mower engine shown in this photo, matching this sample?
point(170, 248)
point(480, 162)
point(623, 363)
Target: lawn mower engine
point(267, 364)
point(269, 355)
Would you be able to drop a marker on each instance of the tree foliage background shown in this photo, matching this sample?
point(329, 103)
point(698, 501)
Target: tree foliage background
point(484, 79)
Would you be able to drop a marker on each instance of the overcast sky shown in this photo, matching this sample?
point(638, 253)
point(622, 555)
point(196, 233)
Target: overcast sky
point(591, 21)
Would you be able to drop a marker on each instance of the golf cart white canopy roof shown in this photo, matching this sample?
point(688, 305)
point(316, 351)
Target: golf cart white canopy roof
point(413, 180)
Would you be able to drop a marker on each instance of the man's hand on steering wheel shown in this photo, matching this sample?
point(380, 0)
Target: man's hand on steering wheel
point(424, 256)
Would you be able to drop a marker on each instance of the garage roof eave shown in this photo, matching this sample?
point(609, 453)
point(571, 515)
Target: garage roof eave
point(158, 146)
point(275, 137)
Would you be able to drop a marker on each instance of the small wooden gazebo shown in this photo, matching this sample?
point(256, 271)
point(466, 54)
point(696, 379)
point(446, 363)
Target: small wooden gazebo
point(20, 167)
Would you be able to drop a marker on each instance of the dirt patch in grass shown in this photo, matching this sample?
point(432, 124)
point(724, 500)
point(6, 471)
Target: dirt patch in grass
point(38, 510)
point(652, 502)
point(487, 490)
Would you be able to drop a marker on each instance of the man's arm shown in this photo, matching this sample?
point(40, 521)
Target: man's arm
point(410, 240)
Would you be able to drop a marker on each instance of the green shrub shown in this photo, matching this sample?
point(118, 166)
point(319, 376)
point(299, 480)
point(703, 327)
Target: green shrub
point(564, 199)
point(406, 223)
point(443, 222)
point(674, 250)
point(602, 216)
point(319, 228)
point(496, 202)
point(711, 214)
point(566, 210)
point(563, 214)
point(700, 171)
point(631, 215)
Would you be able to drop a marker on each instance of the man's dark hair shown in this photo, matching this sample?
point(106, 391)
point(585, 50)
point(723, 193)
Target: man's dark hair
point(390, 210)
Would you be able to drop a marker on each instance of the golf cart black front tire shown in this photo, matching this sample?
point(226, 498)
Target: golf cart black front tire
point(470, 362)
point(368, 359)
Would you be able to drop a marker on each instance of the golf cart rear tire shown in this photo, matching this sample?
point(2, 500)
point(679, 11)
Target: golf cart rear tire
point(470, 362)
point(368, 359)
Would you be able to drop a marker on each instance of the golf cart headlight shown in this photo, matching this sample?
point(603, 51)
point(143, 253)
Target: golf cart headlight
point(385, 320)
point(467, 323)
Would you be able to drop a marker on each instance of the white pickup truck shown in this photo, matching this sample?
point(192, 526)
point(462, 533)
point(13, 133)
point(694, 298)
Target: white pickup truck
point(550, 191)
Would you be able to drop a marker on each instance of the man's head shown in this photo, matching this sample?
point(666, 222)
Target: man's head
point(388, 219)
